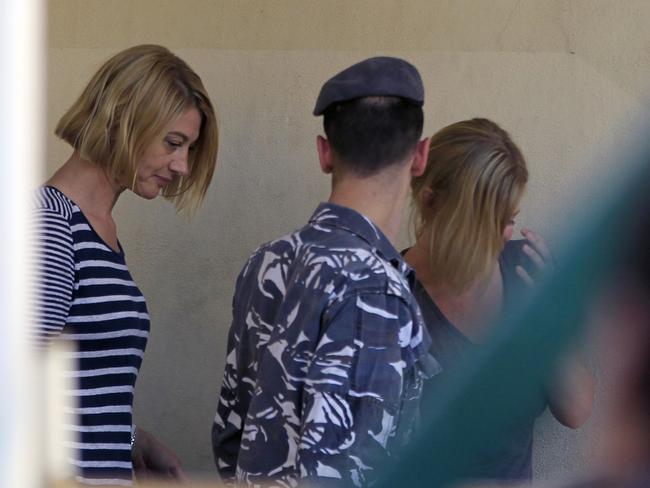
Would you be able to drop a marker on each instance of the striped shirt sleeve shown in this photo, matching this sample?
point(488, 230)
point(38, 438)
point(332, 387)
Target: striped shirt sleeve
point(52, 258)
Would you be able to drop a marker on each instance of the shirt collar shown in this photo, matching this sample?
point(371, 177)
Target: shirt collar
point(333, 215)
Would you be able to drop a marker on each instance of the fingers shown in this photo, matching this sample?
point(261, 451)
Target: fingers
point(137, 459)
point(535, 256)
point(178, 474)
point(144, 475)
point(538, 243)
point(536, 249)
point(525, 277)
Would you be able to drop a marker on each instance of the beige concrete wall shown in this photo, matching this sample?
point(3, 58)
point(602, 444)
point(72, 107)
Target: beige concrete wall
point(559, 75)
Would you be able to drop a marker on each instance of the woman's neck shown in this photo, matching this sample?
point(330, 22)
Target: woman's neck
point(471, 310)
point(88, 185)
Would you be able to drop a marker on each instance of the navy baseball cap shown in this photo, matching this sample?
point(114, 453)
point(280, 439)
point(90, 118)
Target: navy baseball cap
point(380, 76)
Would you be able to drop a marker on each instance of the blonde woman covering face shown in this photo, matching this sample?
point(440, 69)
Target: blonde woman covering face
point(468, 270)
point(144, 123)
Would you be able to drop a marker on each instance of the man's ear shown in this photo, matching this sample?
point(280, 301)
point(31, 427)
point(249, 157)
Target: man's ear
point(325, 155)
point(420, 157)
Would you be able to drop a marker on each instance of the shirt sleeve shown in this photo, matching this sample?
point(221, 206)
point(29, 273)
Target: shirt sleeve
point(354, 390)
point(234, 398)
point(51, 256)
point(228, 423)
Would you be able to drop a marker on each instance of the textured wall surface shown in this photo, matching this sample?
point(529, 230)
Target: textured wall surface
point(560, 75)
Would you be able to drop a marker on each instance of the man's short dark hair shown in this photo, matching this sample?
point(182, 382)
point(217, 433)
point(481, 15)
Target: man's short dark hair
point(371, 133)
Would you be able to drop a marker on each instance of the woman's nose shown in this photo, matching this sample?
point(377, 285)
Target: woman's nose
point(180, 164)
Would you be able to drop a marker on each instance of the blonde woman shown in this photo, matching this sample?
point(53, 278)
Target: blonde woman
point(467, 269)
point(144, 123)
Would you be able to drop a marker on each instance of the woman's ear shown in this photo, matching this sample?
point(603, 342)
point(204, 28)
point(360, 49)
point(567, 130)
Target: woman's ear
point(427, 202)
point(427, 197)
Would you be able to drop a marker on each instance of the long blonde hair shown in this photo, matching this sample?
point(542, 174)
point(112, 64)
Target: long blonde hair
point(474, 179)
point(128, 103)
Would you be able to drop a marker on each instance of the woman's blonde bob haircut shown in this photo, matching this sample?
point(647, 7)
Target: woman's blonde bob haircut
point(473, 182)
point(128, 104)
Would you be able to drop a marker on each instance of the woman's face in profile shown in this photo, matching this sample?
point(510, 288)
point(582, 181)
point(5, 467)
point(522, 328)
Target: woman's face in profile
point(167, 157)
point(510, 227)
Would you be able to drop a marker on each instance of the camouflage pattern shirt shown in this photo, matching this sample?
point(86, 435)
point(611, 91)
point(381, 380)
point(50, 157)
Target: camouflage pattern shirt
point(326, 357)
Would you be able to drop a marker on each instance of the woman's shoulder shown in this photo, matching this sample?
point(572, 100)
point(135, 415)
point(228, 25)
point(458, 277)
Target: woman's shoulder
point(50, 202)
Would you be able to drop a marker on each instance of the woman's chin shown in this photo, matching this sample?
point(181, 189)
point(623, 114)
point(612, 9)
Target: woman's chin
point(148, 194)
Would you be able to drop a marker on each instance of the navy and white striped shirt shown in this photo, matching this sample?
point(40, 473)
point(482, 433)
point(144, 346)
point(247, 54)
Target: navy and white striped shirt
point(85, 294)
point(327, 353)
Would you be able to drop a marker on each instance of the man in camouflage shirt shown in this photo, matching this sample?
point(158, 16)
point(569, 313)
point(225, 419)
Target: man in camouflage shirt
point(327, 351)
